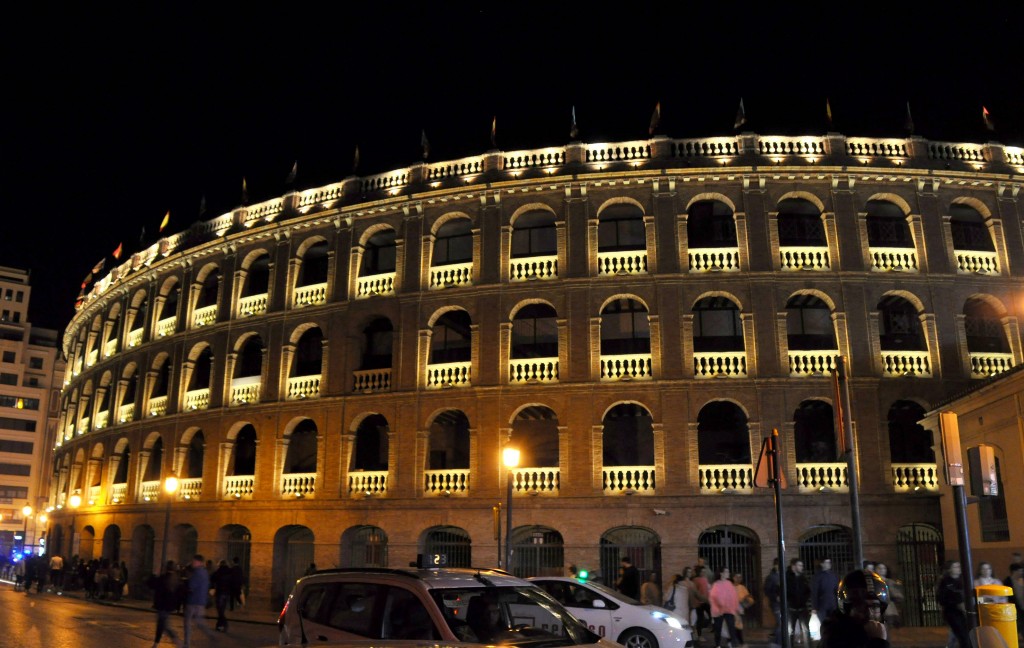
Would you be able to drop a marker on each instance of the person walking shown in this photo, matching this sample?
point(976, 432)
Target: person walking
point(725, 607)
point(650, 593)
point(892, 611)
point(195, 600)
point(57, 573)
point(824, 585)
point(798, 595)
point(167, 591)
point(950, 596)
point(221, 581)
point(746, 602)
point(701, 591)
point(237, 584)
point(773, 592)
point(678, 597)
point(629, 579)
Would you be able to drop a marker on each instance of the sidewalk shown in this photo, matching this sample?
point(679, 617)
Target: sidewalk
point(931, 637)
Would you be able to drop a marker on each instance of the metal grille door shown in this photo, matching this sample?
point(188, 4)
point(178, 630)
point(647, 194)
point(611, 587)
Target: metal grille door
point(368, 547)
point(920, 550)
point(453, 542)
point(537, 551)
point(739, 549)
point(832, 542)
point(641, 545)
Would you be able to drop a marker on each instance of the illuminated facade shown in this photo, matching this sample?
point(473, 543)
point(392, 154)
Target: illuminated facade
point(332, 374)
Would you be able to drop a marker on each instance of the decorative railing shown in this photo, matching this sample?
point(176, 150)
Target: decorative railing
point(465, 166)
point(628, 480)
point(714, 259)
point(388, 180)
point(149, 491)
point(378, 284)
point(720, 364)
point(118, 493)
point(534, 267)
point(167, 326)
point(453, 481)
point(197, 399)
point(976, 262)
point(619, 152)
point(984, 365)
point(94, 355)
point(205, 316)
point(102, 419)
point(625, 262)
point(886, 259)
point(448, 374)
point(447, 276)
point(245, 390)
point(536, 158)
point(812, 363)
point(92, 495)
point(311, 295)
point(190, 488)
point(915, 477)
point(126, 413)
point(532, 370)
point(798, 257)
point(726, 478)
point(110, 347)
point(706, 147)
point(871, 147)
point(252, 305)
point(298, 484)
point(83, 425)
point(633, 366)
point(780, 145)
point(239, 486)
point(158, 406)
point(300, 387)
point(135, 337)
point(372, 380)
point(906, 363)
point(822, 477)
point(320, 195)
point(265, 210)
point(535, 480)
point(960, 152)
point(368, 482)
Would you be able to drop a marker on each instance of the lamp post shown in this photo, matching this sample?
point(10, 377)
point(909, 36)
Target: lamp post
point(26, 512)
point(510, 457)
point(170, 488)
point(73, 502)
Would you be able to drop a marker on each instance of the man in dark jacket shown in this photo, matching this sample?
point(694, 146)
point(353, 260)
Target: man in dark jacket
point(629, 579)
point(237, 583)
point(798, 594)
point(167, 591)
point(221, 581)
point(824, 584)
point(773, 592)
point(195, 600)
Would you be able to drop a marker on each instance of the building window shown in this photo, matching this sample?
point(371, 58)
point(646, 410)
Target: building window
point(21, 470)
point(984, 328)
point(909, 442)
point(992, 512)
point(454, 243)
point(378, 337)
point(710, 224)
point(379, 255)
point(9, 356)
point(533, 234)
point(35, 363)
point(717, 326)
point(314, 265)
point(8, 379)
point(621, 227)
point(19, 425)
point(901, 326)
point(628, 436)
point(800, 224)
point(13, 492)
point(8, 294)
point(19, 296)
point(887, 225)
point(814, 432)
point(452, 338)
point(371, 451)
point(809, 324)
point(625, 328)
point(16, 447)
point(449, 442)
point(722, 434)
point(535, 332)
point(968, 229)
point(18, 402)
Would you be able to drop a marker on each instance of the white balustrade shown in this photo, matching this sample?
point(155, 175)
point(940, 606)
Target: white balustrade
point(453, 481)
point(149, 491)
point(535, 480)
point(812, 363)
point(801, 145)
point(714, 259)
point(94, 355)
point(204, 316)
point(311, 295)
point(372, 380)
point(118, 493)
point(190, 488)
point(632, 366)
point(625, 262)
point(533, 370)
point(239, 486)
point(627, 480)
point(822, 477)
point(618, 152)
point(93, 495)
point(534, 267)
point(915, 477)
point(135, 337)
point(378, 284)
point(900, 259)
point(447, 276)
point(726, 478)
point(253, 304)
point(110, 348)
point(167, 326)
point(976, 262)
point(126, 413)
point(798, 257)
point(720, 364)
point(448, 374)
point(368, 482)
point(158, 406)
point(300, 387)
point(984, 365)
point(245, 390)
point(102, 419)
point(298, 484)
point(197, 399)
point(906, 363)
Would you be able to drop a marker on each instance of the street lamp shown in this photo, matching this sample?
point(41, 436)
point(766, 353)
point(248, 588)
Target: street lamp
point(26, 512)
point(510, 457)
point(170, 488)
point(74, 502)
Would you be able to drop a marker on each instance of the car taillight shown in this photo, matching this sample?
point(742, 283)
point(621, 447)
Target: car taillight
point(284, 610)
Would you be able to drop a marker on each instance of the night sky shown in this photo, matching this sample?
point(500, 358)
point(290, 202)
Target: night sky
point(111, 117)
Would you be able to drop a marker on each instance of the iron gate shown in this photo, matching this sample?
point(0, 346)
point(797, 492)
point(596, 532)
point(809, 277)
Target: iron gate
point(739, 549)
point(832, 542)
point(453, 542)
point(366, 546)
point(641, 545)
point(537, 551)
point(920, 550)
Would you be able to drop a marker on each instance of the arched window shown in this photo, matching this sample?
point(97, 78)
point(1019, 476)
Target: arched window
point(900, 325)
point(308, 360)
point(625, 328)
point(453, 243)
point(128, 397)
point(193, 468)
point(722, 434)
point(244, 459)
point(379, 254)
point(800, 224)
point(250, 359)
point(257, 279)
point(201, 372)
point(535, 332)
point(208, 290)
point(302, 449)
point(984, 328)
point(969, 229)
point(909, 442)
point(628, 436)
point(449, 442)
point(710, 224)
point(170, 305)
point(809, 324)
point(620, 227)
point(717, 325)
point(163, 379)
point(314, 265)
point(121, 474)
point(827, 541)
point(452, 338)
point(371, 444)
point(887, 225)
point(153, 466)
point(535, 434)
point(533, 234)
point(814, 432)
point(378, 338)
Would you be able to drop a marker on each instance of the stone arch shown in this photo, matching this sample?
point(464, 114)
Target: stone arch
point(714, 196)
point(448, 217)
point(629, 296)
point(436, 315)
point(293, 555)
point(364, 546)
point(813, 292)
point(529, 302)
point(991, 300)
point(801, 195)
point(904, 294)
point(531, 207)
point(375, 229)
point(308, 242)
point(891, 198)
point(974, 204)
point(718, 293)
point(252, 256)
point(620, 200)
point(301, 329)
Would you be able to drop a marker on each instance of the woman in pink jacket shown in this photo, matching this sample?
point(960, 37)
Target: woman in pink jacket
point(725, 605)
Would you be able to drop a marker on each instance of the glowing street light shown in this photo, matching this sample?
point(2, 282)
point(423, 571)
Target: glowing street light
point(510, 457)
point(170, 488)
point(74, 502)
point(26, 512)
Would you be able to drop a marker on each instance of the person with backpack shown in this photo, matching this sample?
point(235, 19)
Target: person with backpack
point(167, 595)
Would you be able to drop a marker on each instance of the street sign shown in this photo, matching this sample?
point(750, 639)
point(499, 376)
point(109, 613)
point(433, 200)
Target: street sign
point(764, 475)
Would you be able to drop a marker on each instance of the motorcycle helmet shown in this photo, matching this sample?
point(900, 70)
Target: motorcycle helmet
point(862, 588)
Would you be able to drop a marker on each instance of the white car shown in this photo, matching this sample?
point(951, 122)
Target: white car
point(616, 616)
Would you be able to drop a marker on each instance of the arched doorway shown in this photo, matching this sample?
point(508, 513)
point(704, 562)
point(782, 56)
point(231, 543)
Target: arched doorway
point(537, 551)
point(293, 553)
point(364, 546)
point(55, 541)
point(642, 546)
point(452, 542)
point(142, 564)
point(739, 549)
point(112, 543)
point(235, 543)
point(828, 541)
point(184, 543)
point(86, 540)
point(920, 549)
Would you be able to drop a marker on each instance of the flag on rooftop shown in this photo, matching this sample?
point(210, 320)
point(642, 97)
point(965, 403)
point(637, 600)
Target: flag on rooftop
point(494, 132)
point(987, 118)
point(908, 125)
point(655, 119)
point(574, 132)
point(741, 116)
point(424, 144)
point(166, 221)
point(828, 112)
point(117, 252)
point(202, 206)
point(290, 180)
point(99, 266)
point(142, 237)
point(245, 192)
point(355, 161)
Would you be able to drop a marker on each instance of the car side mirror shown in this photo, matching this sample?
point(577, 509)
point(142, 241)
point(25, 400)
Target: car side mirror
point(598, 603)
